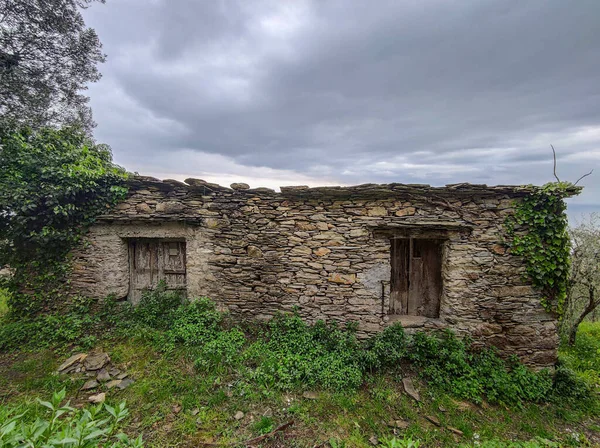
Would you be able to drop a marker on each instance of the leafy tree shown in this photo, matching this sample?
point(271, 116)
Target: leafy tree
point(53, 183)
point(584, 282)
point(47, 55)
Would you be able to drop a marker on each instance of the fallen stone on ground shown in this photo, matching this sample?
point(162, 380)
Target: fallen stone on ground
point(433, 420)
point(98, 398)
point(454, 430)
point(310, 395)
point(91, 384)
point(400, 424)
point(112, 384)
point(409, 388)
point(96, 361)
point(65, 366)
point(124, 383)
point(98, 368)
point(103, 376)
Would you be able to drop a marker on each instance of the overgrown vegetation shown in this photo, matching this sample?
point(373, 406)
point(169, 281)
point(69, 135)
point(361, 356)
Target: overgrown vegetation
point(230, 369)
point(539, 231)
point(582, 360)
point(53, 184)
point(288, 354)
point(64, 426)
point(453, 365)
point(584, 281)
point(75, 326)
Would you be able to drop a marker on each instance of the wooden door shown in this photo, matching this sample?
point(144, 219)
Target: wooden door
point(416, 281)
point(143, 270)
point(400, 249)
point(154, 260)
point(172, 264)
point(425, 278)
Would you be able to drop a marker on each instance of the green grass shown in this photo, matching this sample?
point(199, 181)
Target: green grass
point(3, 302)
point(194, 372)
point(584, 356)
point(210, 400)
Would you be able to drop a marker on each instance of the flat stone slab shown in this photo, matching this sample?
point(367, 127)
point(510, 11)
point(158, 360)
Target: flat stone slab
point(400, 424)
point(98, 398)
point(310, 395)
point(125, 383)
point(96, 361)
point(71, 361)
point(103, 375)
point(409, 388)
point(91, 384)
point(113, 383)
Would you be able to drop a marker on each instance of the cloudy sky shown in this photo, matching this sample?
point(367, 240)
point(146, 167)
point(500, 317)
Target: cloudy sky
point(343, 92)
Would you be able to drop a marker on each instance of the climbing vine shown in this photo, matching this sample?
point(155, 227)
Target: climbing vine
point(53, 184)
point(539, 233)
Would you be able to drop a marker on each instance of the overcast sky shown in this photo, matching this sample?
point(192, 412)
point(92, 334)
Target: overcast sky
point(343, 92)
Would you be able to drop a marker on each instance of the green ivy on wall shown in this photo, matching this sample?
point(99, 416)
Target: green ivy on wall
point(53, 185)
point(539, 233)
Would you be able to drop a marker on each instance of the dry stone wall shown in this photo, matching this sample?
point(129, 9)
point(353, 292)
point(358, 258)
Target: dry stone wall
point(327, 252)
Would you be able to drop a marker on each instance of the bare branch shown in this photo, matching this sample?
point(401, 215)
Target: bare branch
point(554, 157)
point(585, 175)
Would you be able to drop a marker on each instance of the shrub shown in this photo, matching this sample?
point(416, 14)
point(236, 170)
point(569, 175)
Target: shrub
point(264, 426)
point(165, 318)
point(223, 350)
point(569, 386)
point(405, 442)
point(53, 185)
point(4, 298)
point(74, 325)
point(157, 307)
point(293, 354)
point(289, 354)
point(65, 426)
point(453, 365)
point(385, 350)
point(195, 323)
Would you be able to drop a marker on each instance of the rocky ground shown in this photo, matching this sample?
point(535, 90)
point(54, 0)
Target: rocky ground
point(101, 374)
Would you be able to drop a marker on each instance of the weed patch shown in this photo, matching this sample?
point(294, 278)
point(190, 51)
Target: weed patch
point(453, 365)
point(64, 426)
point(189, 356)
point(288, 354)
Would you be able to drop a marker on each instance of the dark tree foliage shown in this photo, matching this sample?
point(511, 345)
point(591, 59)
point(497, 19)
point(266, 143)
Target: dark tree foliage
point(47, 56)
point(53, 184)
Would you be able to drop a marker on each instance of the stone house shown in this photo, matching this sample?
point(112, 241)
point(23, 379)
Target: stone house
point(428, 257)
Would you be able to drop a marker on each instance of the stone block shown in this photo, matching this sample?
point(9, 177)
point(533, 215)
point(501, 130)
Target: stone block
point(322, 251)
point(357, 233)
point(169, 207)
point(254, 252)
point(143, 208)
point(344, 279)
point(377, 211)
point(408, 211)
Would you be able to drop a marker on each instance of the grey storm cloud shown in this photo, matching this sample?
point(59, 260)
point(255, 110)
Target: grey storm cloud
point(352, 91)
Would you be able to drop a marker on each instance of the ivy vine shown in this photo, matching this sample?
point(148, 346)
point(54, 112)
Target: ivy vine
point(53, 185)
point(539, 232)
